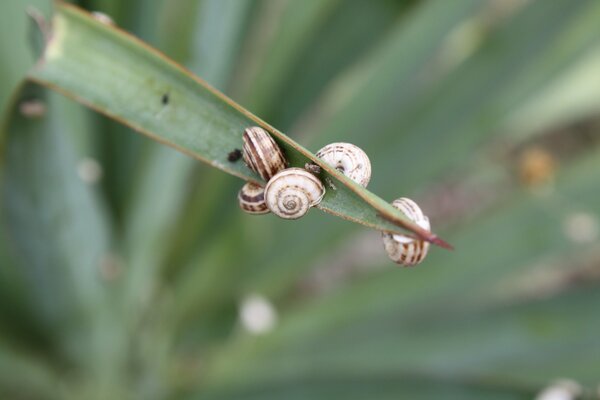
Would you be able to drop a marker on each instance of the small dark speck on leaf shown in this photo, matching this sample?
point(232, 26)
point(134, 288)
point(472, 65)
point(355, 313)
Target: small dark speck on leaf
point(165, 99)
point(234, 155)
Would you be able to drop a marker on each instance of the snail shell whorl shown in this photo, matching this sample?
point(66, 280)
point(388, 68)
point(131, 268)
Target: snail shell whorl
point(402, 249)
point(292, 192)
point(349, 159)
point(261, 154)
point(251, 198)
point(412, 211)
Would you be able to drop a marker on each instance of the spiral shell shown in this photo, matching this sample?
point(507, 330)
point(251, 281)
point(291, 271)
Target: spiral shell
point(251, 198)
point(261, 154)
point(402, 249)
point(349, 159)
point(292, 192)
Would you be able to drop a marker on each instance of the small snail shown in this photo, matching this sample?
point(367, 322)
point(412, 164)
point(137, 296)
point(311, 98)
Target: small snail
point(402, 249)
point(251, 198)
point(292, 192)
point(261, 154)
point(349, 159)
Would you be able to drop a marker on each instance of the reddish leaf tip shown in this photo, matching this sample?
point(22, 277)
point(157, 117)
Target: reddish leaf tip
point(442, 243)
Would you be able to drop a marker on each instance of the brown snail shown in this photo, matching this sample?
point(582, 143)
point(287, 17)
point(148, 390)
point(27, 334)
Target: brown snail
point(261, 154)
point(251, 198)
point(406, 250)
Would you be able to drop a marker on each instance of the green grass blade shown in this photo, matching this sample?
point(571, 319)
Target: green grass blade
point(117, 75)
point(62, 236)
point(311, 45)
point(300, 22)
point(17, 55)
point(386, 386)
point(527, 344)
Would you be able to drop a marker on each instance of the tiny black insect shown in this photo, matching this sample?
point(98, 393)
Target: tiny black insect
point(234, 155)
point(165, 99)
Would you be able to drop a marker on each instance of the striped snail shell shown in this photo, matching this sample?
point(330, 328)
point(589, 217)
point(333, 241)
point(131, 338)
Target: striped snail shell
point(402, 249)
point(261, 154)
point(292, 192)
point(251, 198)
point(349, 159)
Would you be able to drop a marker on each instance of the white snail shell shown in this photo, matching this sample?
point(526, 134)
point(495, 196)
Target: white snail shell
point(402, 249)
point(292, 192)
point(261, 154)
point(349, 159)
point(251, 198)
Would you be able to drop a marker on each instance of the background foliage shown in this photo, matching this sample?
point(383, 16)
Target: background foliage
point(123, 264)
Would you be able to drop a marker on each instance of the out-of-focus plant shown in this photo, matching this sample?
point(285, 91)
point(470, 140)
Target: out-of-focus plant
point(127, 270)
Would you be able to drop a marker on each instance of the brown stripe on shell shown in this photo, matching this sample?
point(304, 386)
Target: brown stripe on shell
point(408, 207)
point(255, 151)
point(403, 253)
point(417, 252)
point(261, 154)
point(251, 199)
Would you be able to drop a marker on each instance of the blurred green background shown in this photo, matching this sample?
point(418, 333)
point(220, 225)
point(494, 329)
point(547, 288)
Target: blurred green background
point(128, 271)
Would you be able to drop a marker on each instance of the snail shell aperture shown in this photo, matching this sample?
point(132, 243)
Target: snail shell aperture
point(402, 249)
point(251, 198)
point(349, 159)
point(292, 192)
point(261, 154)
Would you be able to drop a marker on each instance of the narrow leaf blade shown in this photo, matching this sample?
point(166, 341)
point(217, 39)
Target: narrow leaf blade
point(119, 76)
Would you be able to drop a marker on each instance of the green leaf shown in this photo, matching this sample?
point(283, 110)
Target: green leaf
point(310, 46)
point(299, 23)
point(158, 98)
point(62, 237)
point(363, 386)
point(15, 39)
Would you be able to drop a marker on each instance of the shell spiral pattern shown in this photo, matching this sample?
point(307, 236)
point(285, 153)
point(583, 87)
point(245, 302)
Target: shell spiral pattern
point(402, 249)
point(292, 192)
point(251, 198)
point(349, 159)
point(261, 154)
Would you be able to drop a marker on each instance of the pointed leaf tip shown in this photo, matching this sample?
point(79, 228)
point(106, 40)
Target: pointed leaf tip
point(441, 243)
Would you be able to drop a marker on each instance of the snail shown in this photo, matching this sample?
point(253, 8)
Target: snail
point(251, 198)
point(403, 249)
point(261, 154)
point(349, 159)
point(292, 192)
